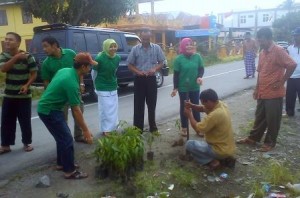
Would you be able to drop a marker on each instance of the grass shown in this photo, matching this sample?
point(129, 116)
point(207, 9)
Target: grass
point(245, 128)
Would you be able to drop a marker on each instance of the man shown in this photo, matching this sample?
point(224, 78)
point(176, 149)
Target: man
point(57, 59)
point(64, 88)
point(293, 83)
point(21, 70)
point(218, 146)
point(144, 60)
point(249, 51)
point(275, 66)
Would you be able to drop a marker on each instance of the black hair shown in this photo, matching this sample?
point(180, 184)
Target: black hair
point(77, 65)
point(17, 36)
point(209, 95)
point(51, 40)
point(264, 33)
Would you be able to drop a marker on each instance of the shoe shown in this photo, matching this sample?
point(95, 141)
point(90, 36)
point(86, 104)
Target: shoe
point(266, 148)
point(77, 175)
point(27, 148)
point(246, 141)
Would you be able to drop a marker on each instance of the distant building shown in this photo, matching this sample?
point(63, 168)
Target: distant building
point(14, 19)
point(254, 19)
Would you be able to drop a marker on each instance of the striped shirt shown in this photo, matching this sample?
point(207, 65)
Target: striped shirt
point(272, 65)
point(145, 58)
point(18, 75)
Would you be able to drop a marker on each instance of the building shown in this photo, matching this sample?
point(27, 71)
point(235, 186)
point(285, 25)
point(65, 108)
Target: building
point(14, 19)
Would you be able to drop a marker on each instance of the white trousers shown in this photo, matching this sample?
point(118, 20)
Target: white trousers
point(108, 110)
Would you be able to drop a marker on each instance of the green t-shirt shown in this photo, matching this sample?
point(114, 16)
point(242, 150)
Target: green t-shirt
point(52, 64)
point(106, 79)
point(188, 68)
point(18, 75)
point(64, 88)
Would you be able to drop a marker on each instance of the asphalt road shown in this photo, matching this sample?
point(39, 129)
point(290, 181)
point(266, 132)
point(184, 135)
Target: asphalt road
point(226, 79)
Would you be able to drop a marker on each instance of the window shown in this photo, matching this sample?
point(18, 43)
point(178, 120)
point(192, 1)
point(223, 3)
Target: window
point(102, 37)
point(79, 44)
point(131, 42)
point(92, 43)
point(250, 16)
point(3, 18)
point(26, 17)
point(118, 40)
point(265, 17)
point(243, 19)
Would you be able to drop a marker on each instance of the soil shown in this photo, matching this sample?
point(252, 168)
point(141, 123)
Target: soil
point(239, 182)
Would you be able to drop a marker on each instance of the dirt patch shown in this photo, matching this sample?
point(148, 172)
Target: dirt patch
point(188, 178)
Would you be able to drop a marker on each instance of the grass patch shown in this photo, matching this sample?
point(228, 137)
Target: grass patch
point(245, 128)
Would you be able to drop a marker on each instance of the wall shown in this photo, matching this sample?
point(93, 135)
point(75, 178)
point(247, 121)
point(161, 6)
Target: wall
point(15, 24)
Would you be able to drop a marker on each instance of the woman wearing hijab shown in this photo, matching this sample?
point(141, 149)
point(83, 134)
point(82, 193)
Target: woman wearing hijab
point(106, 86)
point(187, 78)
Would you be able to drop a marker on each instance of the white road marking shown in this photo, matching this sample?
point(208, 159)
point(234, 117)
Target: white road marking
point(129, 95)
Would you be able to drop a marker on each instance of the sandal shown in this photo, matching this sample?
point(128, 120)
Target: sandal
point(266, 148)
point(27, 148)
point(77, 175)
point(246, 141)
point(3, 150)
point(183, 132)
point(60, 168)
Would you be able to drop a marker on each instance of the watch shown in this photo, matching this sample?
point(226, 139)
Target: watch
point(82, 84)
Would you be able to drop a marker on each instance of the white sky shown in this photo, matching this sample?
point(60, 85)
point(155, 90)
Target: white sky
point(202, 7)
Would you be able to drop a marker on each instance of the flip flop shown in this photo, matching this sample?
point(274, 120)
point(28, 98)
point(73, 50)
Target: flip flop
point(246, 141)
point(3, 151)
point(77, 175)
point(183, 132)
point(27, 148)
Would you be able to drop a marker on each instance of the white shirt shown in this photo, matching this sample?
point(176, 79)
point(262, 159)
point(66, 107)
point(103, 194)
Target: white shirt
point(294, 52)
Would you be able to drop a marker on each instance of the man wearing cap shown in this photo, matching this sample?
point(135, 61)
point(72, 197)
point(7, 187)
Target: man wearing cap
point(57, 59)
point(64, 88)
point(293, 83)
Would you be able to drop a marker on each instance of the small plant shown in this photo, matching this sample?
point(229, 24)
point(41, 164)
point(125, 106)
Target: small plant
point(278, 173)
point(120, 151)
point(150, 137)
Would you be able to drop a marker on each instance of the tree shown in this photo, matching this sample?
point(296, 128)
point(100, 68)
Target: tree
point(284, 26)
point(76, 12)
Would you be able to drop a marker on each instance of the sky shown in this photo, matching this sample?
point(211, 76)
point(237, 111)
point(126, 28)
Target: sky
point(202, 7)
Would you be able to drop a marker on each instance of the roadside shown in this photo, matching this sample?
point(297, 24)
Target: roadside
point(189, 179)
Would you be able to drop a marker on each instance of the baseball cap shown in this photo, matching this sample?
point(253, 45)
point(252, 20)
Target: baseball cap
point(84, 58)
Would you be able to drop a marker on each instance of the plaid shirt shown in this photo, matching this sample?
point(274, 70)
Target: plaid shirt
point(272, 65)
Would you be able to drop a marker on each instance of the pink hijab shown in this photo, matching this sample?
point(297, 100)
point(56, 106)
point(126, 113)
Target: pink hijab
point(182, 48)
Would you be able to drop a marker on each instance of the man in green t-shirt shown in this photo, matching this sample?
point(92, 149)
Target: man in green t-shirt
point(57, 59)
point(21, 70)
point(63, 89)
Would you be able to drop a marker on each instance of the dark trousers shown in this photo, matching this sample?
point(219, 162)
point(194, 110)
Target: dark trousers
point(267, 117)
point(193, 96)
point(59, 129)
point(145, 90)
point(292, 91)
point(77, 130)
point(13, 109)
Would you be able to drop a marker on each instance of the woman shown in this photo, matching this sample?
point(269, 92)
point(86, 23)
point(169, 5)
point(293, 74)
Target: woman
point(105, 82)
point(187, 78)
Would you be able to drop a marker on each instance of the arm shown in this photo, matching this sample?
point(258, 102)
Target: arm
point(175, 83)
point(24, 88)
point(199, 108)
point(80, 120)
point(9, 64)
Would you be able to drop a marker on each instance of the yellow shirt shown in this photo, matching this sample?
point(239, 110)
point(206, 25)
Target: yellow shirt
point(218, 131)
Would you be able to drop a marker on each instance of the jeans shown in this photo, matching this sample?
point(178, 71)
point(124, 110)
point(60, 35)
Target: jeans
point(201, 151)
point(145, 90)
point(194, 98)
point(292, 91)
point(59, 129)
point(13, 109)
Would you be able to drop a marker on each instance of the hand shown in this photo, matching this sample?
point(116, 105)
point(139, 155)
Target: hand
point(151, 72)
point(82, 89)
point(199, 81)
point(187, 112)
point(174, 92)
point(88, 137)
point(22, 56)
point(141, 73)
point(24, 89)
point(188, 104)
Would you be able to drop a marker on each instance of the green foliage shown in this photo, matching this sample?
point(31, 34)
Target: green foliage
point(284, 26)
point(278, 173)
point(150, 137)
point(76, 12)
point(211, 58)
point(182, 176)
point(120, 150)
